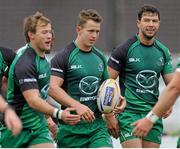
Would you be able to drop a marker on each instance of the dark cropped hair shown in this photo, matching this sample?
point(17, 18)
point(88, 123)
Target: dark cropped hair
point(148, 8)
point(89, 14)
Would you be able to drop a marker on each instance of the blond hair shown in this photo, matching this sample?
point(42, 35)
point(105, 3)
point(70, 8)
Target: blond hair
point(31, 22)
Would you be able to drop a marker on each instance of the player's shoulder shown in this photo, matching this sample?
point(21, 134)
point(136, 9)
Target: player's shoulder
point(64, 53)
point(99, 54)
point(98, 51)
point(4, 48)
point(67, 49)
point(121, 50)
point(26, 58)
point(161, 45)
point(7, 51)
point(8, 54)
point(125, 46)
point(166, 51)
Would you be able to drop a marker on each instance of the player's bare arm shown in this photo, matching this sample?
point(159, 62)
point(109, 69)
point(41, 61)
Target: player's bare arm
point(62, 97)
point(35, 102)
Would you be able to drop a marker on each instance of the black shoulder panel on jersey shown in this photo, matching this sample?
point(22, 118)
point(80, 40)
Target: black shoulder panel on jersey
point(27, 59)
point(8, 55)
point(125, 48)
point(60, 61)
point(119, 55)
point(26, 68)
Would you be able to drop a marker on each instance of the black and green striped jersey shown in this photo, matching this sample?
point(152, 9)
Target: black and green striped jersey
point(83, 72)
point(28, 71)
point(140, 67)
point(6, 58)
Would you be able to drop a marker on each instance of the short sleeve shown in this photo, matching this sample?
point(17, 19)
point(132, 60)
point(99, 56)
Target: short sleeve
point(26, 75)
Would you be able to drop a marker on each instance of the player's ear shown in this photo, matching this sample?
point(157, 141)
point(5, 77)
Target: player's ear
point(159, 22)
point(31, 35)
point(78, 29)
point(138, 23)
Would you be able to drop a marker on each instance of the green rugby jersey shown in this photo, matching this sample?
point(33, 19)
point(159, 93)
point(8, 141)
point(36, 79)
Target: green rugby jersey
point(28, 71)
point(83, 72)
point(140, 67)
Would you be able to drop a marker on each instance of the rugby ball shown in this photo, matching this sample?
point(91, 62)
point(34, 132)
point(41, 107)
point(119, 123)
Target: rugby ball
point(108, 96)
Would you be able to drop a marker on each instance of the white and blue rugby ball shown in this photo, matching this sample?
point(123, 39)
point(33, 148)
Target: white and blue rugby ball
point(108, 96)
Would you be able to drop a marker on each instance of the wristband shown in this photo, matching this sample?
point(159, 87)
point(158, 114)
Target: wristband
point(178, 69)
point(57, 113)
point(152, 117)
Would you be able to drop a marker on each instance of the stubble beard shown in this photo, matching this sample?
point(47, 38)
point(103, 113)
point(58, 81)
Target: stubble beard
point(148, 37)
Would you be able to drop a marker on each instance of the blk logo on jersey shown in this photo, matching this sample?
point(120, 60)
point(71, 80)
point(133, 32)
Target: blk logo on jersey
point(134, 60)
point(76, 66)
point(41, 76)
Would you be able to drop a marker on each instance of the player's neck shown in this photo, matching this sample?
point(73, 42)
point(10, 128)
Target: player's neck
point(39, 52)
point(82, 46)
point(146, 41)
